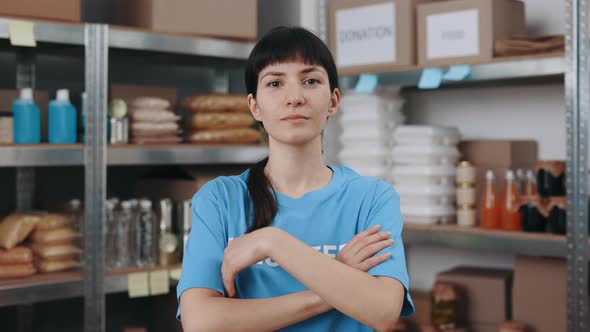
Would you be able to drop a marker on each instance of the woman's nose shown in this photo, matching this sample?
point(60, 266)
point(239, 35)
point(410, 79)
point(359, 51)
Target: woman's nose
point(295, 97)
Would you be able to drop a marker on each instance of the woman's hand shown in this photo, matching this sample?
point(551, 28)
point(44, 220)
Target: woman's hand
point(243, 252)
point(359, 251)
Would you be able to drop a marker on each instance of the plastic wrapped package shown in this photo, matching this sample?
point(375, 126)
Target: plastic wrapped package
point(56, 252)
point(53, 221)
point(428, 215)
point(423, 175)
point(17, 255)
point(55, 236)
point(15, 228)
point(426, 195)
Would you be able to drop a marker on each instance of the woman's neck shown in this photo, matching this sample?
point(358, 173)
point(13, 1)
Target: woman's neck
point(296, 170)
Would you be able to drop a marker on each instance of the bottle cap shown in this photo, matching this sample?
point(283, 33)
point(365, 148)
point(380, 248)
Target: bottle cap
point(145, 204)
point(490, 175)
point(126, 205)
point(509, 175)
point(26, 94)
point(63, 95)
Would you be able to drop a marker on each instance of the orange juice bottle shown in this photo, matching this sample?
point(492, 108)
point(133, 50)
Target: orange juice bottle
point(490, 209)
point(510, 214)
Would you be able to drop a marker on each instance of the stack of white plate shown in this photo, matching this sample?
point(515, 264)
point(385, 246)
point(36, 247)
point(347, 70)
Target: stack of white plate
point(423, 172)
point(368, 122)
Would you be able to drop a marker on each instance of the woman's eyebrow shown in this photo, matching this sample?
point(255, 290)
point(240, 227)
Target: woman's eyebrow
point(272, 73)
point(311, 69)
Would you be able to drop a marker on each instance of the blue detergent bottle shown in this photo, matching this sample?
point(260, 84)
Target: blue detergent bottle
point(62, 119)
point(27, 119)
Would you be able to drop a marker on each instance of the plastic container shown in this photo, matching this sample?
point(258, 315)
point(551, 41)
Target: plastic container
point(426, 135)
point(425, 155)
point(367, 169)
point(426, 195)
point(366, 132)
point(423, 175)
point(428, 215)
point(364, 152)
point(27, 119)
point(62, 119)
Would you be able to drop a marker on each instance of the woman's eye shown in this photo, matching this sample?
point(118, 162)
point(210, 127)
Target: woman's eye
point(312, 81)
point(274, 84)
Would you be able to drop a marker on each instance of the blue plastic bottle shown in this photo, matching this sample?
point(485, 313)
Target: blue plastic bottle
point(27, 119)
point(62, 119)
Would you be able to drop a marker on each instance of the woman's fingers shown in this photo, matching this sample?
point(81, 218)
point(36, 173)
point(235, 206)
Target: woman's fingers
point(374, 248)
point(374, 261)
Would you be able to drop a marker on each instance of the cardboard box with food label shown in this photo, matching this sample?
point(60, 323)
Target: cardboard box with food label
point(464, 31)
point(62, 10)
point(373, 36)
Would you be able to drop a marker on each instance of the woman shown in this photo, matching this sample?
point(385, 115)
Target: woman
point(260, 256)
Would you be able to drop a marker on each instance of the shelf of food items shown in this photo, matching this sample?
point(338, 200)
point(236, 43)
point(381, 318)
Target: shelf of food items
point(41, 255)
point(440, 42)
point(492, 195)
point(215, 129)
point(141, 26)
point(472, 298)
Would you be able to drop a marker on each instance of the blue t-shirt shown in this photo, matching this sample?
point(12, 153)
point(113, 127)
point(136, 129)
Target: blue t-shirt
point(326, 219)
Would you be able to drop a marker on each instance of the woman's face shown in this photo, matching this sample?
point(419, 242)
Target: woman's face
point(293, 101)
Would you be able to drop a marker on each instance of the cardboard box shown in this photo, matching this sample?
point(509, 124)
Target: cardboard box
point(539, 294)
point(487, 292)
point(217, 18)
point(374, 35)
point(423, 305)
point(483, 327)
point(464, 31)
point(41, 99)
point(130, 92)
point(61, 10)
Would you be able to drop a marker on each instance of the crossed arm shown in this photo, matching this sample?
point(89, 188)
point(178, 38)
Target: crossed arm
point(377, 300)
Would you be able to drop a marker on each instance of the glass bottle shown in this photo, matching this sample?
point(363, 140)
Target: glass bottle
point(124, 219)
point(530, 187)
point(510, 214)
point(490, 210)
point(146, 235)
point(110, 232)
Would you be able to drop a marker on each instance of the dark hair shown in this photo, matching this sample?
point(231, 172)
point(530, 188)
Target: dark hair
point(282, 44)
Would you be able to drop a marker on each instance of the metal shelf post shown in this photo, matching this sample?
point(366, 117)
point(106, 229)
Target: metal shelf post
point(96, 54)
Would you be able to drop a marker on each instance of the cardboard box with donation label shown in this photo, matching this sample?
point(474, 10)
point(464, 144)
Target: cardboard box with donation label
point(215, 18)
point(464, 31)
point(487, 293)
point(373, 35)
point(60, 10)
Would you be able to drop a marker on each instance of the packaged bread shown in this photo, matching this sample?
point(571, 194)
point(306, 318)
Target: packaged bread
point(55, 236)
point(16, 255)
point(212, 103)
point(220, 120)
point(150, 102)
point(154, 127)
point(15, 228)
point(153, 115)
point(53, 221)
point(17, 270)
point(225, 136)
point(46, 266)
point(167, 139)
point(56, 251)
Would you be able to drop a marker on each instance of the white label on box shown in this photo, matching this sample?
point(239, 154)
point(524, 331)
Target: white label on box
point(365, 35)
point(453, 34)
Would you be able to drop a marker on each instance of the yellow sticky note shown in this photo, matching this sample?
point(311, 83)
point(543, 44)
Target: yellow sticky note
point(138, 284)
point(22, 33)
point(159, 282)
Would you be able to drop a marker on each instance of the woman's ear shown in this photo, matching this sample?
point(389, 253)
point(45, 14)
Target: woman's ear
point(256, 114)
point(334, 103)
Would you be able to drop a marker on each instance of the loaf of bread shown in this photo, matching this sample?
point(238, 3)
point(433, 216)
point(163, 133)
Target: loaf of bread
point(46, 266)
point(16, 270)
point(55, 236)
point(153, 115)
point(167, 139)
point(56, 252)
point(151, 102)
point(225, 136)
point(16, 255)
point(15, 228)
point(216, 103)
point(53, 221)
point(220, 120)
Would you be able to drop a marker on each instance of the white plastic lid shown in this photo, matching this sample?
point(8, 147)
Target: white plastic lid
point(425, 190)
point(145, 204)
point(426, 131)
point(126, 205)
point(63, 95)
point(424, 170)
point(26, 94)
point(429, 150)
point(490, 175)
point(428, 211)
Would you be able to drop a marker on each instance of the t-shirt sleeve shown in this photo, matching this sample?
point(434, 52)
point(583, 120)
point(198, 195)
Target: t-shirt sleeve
point(385, 211)
point(203, 254)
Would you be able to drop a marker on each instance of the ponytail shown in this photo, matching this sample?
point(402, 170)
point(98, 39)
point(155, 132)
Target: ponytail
point(263, 200)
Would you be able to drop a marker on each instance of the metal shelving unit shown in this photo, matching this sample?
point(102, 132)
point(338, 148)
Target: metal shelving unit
point(41, 155)
point(574, 68)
